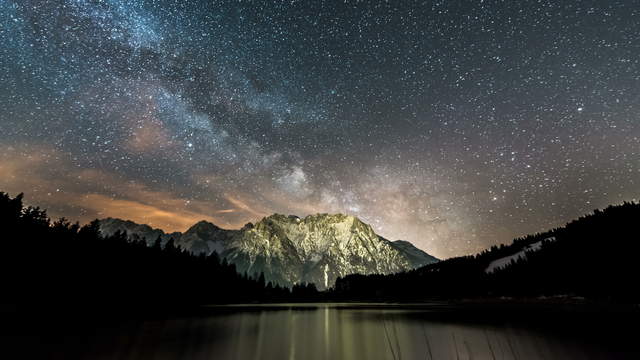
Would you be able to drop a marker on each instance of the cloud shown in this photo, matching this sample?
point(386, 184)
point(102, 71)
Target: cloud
point(393, 205)
point(49, 179)
point(242, 205)
point(165, 218)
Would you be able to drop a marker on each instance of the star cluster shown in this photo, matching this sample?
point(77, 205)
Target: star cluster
point(455, 125)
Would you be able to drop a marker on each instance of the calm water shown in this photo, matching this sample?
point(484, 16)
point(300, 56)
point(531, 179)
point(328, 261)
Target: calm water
point(335, 331)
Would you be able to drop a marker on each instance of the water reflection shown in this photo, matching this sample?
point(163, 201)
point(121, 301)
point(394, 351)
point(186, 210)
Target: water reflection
point(334, 331)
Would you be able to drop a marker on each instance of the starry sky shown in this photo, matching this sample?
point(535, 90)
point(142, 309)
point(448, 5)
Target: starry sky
point(452, 124)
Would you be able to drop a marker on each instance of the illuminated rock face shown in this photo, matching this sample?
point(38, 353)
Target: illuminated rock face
point(316, 249)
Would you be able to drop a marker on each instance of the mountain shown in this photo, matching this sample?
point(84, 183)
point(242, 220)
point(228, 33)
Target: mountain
point(205, 238)
point(417, 258)
point(136, 231)
point(315, 249)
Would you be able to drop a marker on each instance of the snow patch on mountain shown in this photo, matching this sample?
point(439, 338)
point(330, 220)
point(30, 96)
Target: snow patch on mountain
point(522, 254)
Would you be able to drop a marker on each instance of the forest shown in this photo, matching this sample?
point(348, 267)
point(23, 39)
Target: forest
point(45, 261)
point(61, 262)
point(594, 257)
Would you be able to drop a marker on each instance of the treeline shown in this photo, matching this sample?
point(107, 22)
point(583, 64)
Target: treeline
point(44, 261)
point(595, 257)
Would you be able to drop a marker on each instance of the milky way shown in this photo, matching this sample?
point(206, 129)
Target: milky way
point(455, 125)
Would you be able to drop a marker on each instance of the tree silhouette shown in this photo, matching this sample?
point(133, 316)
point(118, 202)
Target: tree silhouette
point(593, 256)
point(66, 263)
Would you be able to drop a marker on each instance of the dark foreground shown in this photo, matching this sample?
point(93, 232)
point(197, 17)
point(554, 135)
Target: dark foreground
point(329, 331)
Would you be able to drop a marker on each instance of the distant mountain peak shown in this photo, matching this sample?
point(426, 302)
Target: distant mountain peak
point(203, 225)
point(134, 230)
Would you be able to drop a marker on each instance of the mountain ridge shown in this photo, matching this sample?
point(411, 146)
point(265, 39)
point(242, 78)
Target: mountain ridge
point(288, 249)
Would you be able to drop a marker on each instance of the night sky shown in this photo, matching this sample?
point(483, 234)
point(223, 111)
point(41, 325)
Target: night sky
point(453, 124)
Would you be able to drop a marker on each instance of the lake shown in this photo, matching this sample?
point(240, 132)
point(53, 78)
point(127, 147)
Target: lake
point(337, 331)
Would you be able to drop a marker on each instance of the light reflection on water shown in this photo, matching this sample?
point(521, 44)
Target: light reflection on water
point(325, 331)
point(333, 333)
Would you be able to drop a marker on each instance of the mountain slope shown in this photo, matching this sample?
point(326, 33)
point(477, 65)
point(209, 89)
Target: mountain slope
point(417, 258)
point(316, 249)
